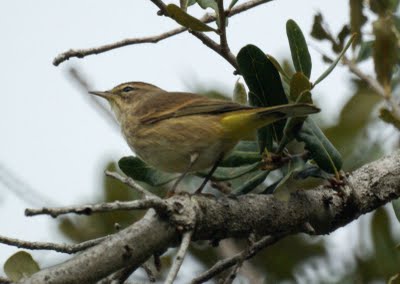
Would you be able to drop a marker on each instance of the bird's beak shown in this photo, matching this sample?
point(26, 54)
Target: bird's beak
point(107, 95)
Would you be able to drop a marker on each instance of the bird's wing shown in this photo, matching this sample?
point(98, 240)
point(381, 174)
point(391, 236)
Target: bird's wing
point(170, 105)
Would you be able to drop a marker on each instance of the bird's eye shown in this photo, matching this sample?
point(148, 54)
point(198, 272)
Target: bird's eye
point(127, 89)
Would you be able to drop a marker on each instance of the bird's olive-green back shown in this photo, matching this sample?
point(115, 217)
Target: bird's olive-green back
point(163, 105)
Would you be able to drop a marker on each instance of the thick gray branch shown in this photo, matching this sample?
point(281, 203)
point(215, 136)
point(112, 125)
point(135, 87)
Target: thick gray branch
point(321, 208)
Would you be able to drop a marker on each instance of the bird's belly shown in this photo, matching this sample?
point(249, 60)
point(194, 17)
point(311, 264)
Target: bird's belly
point(171, 144)
point(179, 159)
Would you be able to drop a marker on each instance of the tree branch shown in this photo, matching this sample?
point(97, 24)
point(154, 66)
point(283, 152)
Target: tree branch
point(65, 248)
point(238, 258)
point(157, 203)
point(131, 183)
point(80, 53)
point(222, 29)
point(229, 56)
point(374, 84)
point(371, 186)
point(180, 256)
point(222, 49)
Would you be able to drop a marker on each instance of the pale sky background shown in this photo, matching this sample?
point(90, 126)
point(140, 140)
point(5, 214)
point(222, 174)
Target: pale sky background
point(56, 143)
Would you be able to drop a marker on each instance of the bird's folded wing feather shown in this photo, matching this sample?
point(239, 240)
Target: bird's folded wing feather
point(171, 105)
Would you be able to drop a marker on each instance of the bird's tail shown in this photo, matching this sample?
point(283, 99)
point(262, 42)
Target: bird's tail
point(285, 111)
point(244, 122)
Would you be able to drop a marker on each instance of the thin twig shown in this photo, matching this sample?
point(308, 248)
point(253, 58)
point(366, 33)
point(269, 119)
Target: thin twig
point(163, 8)
point(204, 38)
point(120, 276)
point(233, 273)
point(222, 27)
point(149, 272)
point(131, 183)
point(158, 204)
point(64, 248)
point(80, 53)
point(229, 247)
point(229, 56)
point(222, 265)
point(187, 236)
point(374, 84)
point(222, 186)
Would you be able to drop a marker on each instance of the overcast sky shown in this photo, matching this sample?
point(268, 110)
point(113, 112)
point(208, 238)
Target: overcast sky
point(56, 143)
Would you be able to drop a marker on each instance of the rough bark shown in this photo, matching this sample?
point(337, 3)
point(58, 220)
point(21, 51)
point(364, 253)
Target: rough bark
point(324, 209)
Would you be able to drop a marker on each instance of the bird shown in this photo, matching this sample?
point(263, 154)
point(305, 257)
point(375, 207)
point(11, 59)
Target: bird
point(182, 132)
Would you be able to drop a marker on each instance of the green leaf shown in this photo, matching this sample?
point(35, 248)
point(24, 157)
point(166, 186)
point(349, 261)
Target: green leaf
point(357, 19)
point(365, 51)
point(384, 50)
point(246, 146)
point(290, 171)
point(191, 2)
point(318, 31)
point(204, 4)
point(187, 20)
point(251, 183)
point(333, 65)
point(240, 158)
point(270, 188)
point(380, 7)
point(285, 179)
point(265, 137)
point(139, 170)
point(298, 48)
point(310, 171)
point(20, 265)
point(322, 151)
point(300, 93)
point(389, 117)
point(265, 85)
point(279, 67)
point(228, 173)
point(233, 3)
point(343, 34)
point(350, 132)
point(239, 93)
point(396, 208)
point(298, 84)
point(394, 4)
point(294, 124)
point(384, 243)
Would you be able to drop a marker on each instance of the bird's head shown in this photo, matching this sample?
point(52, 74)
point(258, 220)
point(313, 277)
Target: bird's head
point(127, 95)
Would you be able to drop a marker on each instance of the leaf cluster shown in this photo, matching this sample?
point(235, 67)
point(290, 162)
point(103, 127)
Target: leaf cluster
point(250, 163)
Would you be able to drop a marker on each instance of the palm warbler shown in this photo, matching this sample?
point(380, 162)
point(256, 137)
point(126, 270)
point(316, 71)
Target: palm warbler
point(185, 132)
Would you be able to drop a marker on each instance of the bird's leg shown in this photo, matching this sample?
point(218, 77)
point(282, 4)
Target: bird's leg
point(208, 177)
point(193, 159)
